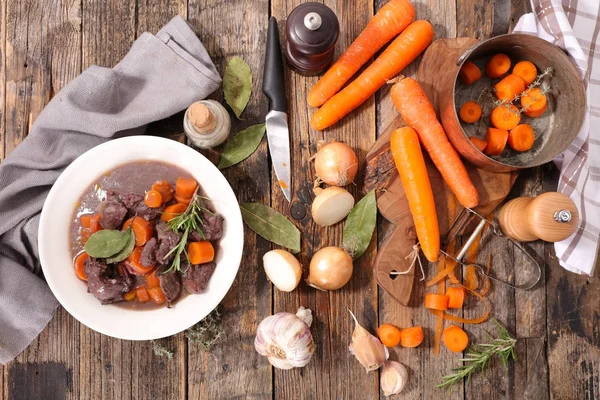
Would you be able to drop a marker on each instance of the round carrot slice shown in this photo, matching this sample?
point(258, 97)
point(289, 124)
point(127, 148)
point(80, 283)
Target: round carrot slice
point(153, 199)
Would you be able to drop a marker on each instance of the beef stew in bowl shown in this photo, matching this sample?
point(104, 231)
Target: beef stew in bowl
point(59, 219)
point(143, 235)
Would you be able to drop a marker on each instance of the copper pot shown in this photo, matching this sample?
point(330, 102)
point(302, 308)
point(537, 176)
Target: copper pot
point(555, 130)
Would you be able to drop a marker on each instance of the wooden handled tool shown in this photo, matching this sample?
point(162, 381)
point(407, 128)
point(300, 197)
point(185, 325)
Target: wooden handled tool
point(551, 216)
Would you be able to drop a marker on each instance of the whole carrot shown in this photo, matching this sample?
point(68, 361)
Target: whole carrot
point(408, 157)
point(383, 27)
point(416, 109)
point(401, 52)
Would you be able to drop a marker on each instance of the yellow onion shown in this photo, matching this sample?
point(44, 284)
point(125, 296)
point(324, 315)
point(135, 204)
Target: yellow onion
point(336, 164)
point(330, 269)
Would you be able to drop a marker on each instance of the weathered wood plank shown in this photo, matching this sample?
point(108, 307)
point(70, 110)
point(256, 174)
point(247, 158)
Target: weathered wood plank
point(531, 369)
point(573, 321)
point(474, 18)
point(41, 53)
point(38, 381)
point(233, 369)
point(152, 15)
point(333, 372)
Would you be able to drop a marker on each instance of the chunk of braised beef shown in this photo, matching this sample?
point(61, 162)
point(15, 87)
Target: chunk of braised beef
point(167, 240)
point(134, 203)
point(142, 210)
point(105, 282)
point(211, 230)
point(148, 257)
point(170, 283)
point(197, 277)
point(130, 200)
point(112, 212)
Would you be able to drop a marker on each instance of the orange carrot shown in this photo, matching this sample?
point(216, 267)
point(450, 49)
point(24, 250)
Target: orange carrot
point(470, 112)
point(478, 143)
point(411, 337)
point(80, 266)
point(436, 301)
point(164, 189)
point(496, 139)
point(439, 326)
point(152, 280)
point(497, 66)
point(461, 320)
point(185, 187)
point(509, 87)
point(471, 280)
point(85, 220)
point(142, 229)
point(521, 138)
point(134, 261)
point(172, 211)
point(401, 52)
point(469, 73)
point(408, 157)
point(129, 296)
point(455, 338)
point(142, 294)
point(526, 70)
point(156, 295)
point(456, 297)
point(505, 117)
point(389, 335)
point(534, 102)
point(95, 225)
point(389, 21)
point(153, 199)
point(200, 252)
point(414, 106)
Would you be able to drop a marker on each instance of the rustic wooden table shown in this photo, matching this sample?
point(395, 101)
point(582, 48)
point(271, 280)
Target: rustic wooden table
point(46, 43)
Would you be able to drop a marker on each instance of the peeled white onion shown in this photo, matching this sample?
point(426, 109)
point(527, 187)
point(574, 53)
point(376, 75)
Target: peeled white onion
point(330, 269)
point(283, 269)
point(336, 164)
point(331, 206)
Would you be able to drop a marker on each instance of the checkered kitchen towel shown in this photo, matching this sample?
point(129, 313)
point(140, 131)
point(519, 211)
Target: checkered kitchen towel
point(574, 25)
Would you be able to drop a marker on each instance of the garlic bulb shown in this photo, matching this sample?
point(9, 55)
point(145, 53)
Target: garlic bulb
point(393, 378)
point(285, 339)
point(367, 349)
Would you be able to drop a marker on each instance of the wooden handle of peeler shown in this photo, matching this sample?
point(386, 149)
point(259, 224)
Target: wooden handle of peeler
point(551, 216)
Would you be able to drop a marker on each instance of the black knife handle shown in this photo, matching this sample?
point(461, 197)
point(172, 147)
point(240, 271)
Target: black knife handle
point(273, 80)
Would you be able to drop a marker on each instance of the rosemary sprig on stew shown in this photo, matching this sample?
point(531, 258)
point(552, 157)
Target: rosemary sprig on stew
point(478, 357)
point(185, 224)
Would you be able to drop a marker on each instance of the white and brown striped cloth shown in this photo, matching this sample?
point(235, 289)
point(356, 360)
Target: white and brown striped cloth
point(574, 25)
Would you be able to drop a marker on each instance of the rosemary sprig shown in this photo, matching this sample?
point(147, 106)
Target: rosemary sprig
point(478, 357)
point(185, 224)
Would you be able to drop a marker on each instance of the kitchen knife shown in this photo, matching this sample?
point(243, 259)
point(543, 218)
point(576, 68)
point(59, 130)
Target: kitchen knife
point(278, 134)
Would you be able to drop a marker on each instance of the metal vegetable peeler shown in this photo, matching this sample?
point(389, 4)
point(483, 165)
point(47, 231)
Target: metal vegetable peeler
point(466, 217)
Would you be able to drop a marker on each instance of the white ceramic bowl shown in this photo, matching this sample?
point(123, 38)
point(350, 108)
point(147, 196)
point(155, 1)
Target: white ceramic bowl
point(55, 253)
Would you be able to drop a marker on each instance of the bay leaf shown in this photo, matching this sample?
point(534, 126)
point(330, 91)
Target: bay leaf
point(359, 226)
point(106, 243)
point(237, 84)
point(242, 145)
point(126, 251)
point(271, 225)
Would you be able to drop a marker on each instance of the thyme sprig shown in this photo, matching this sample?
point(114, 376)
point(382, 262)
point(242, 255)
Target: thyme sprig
point(206, 332)
point(478, 357)
point(185, 224)
point(537, 82)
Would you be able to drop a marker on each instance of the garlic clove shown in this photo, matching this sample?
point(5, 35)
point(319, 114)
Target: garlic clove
point(367, 349)
point(393, 378)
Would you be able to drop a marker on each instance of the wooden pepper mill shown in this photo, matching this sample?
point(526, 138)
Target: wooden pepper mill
point(551, 216)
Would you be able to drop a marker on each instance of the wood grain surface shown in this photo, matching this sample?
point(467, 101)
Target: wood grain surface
point(44, 44)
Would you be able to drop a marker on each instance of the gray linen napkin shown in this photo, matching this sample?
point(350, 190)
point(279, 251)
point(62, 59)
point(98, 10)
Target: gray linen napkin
point(161, 75)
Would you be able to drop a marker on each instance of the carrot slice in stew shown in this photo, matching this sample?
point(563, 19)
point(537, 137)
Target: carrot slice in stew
point(172, 211)
point(142, 294)
point(480, 144)
point(80, 266)
point(134, 262)
point(129, 296)
point(185, 187)
point(153, 199)
point(156, 295)
point(86, 220)
point(142, 229)
point(95, 223)
point(200, 252)
point(152, 280)
point(164, 189)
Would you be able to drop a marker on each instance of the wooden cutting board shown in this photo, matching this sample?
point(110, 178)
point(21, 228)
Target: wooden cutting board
point(436, 70)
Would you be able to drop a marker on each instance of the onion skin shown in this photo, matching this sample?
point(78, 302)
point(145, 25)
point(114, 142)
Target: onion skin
point(336, 164)
point(330, 269)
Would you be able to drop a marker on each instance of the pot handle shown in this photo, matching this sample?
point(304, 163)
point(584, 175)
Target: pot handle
point(466, 54)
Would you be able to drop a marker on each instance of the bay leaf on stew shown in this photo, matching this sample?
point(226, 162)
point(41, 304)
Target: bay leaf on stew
point(126, 251)
point(242, 145)
point(237, 84)
point(271, 225)
point(106, 243)
point(359, 226)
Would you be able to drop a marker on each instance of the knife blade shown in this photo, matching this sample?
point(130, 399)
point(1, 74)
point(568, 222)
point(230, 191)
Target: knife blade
point(278, 133)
